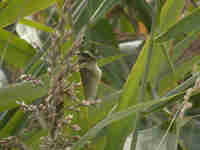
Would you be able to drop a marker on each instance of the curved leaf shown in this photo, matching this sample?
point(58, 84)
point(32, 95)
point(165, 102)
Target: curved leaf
point(92, 11)
point(14, 50)
point(121, 115)
point(13, 124)
point(21, 8)
point(187, 24)
point(170, 13)
point(37, 25)
point(24, 92)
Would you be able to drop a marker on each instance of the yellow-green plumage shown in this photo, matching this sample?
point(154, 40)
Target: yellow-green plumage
point(90, 75)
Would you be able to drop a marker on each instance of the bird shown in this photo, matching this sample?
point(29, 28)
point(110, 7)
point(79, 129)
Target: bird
point(90, 74)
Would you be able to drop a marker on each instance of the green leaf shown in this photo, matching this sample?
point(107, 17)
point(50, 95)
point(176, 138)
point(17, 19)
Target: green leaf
point(190, 135)
point(34, 140)
point(151, 138)
point(107, 60)
point(101, 111)
point(131, 87)
point(99, 143)
point(13, 125)
point(165, 75)
point(130, 111)
point(158, 61)
point(15, 50)
point(180, 47)
point(37, 25)
point(92, 11)
point(126, 25)
point(181, 69)
point(5, 117)
point(22, 92)
point(20, 8)
point(142, 10)
point(179, 89)
point(105, 90)
point(130, 96)
point(103, 7)
point(3, 4)
point(184, 85)
point(186, 25)
point(171, 11)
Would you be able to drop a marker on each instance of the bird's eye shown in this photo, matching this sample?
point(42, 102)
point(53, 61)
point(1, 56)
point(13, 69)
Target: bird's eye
point(84, 37)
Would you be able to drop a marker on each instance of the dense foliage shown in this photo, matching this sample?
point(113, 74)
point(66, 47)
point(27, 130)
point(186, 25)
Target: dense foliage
point(99, 74)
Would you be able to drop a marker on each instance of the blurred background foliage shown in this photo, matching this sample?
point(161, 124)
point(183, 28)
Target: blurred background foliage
point(147, 50)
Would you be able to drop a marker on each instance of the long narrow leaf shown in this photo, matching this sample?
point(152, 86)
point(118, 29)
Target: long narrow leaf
point(21, 8)
point(130, 97)
point(14, 50)
point(170, 13)
point(22, 92)
point(13, 124)
point(37, 25)
point(120, 115)
point(186, 25)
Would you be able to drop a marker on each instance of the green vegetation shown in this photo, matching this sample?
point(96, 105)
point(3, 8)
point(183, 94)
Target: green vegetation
point(99, 75)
